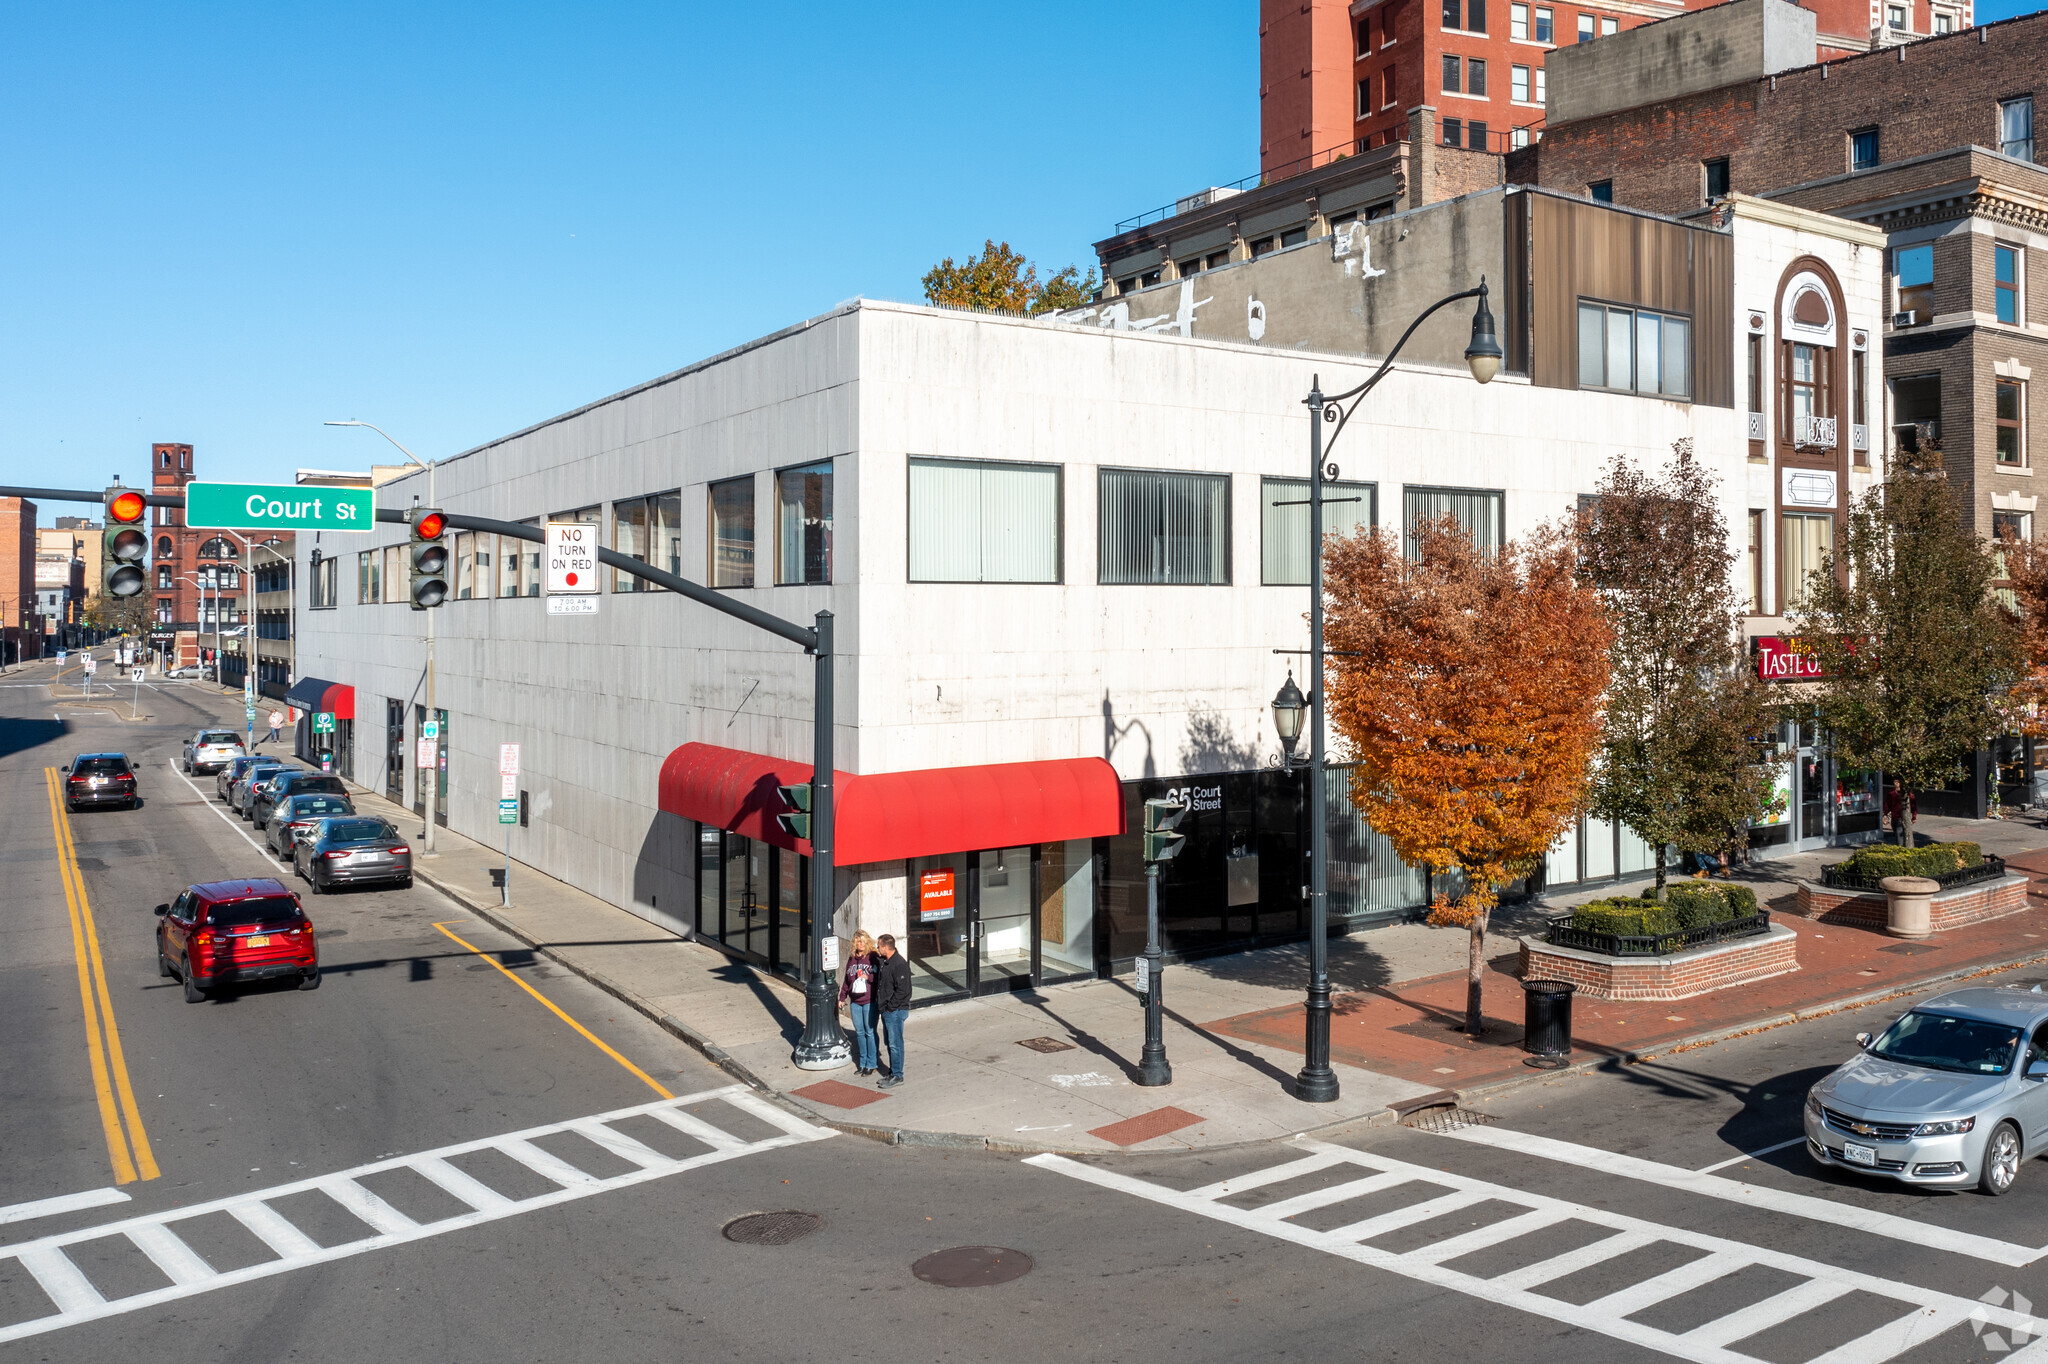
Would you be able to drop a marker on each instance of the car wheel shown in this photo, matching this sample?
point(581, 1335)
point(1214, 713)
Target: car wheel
point(310, 981)
point(193, 994)
point(2002, 1156)
point(319, 887)
point(163, 963)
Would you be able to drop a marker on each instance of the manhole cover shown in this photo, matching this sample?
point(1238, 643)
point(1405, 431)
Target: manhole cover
point(772, 1228)
point(1446, 1118)
point(972, 1266)
point(1045, 1044)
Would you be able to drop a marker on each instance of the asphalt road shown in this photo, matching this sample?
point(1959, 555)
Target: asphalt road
point(413, 1043)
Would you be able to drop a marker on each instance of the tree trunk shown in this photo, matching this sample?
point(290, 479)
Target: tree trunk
point(1475, 963)
point(1660, 873)
point(1906, 814)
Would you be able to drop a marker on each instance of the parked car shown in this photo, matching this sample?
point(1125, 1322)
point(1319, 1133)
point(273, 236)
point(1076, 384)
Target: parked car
point(224, 931)
point(230, 776)
point(352, 850)
point(297, 814)
point(190, 670)
point(244, 791)
point(100, 779)
point(1954, 1092)
point(297, 781)
point(210, 750)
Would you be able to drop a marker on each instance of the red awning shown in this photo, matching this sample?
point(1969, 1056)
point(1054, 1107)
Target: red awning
point(894, 815)
point(318, 696)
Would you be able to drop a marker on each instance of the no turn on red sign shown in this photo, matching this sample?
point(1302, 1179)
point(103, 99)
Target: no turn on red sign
point(572, 558)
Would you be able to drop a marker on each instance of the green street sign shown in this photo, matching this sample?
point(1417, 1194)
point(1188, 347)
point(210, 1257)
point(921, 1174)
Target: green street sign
point(323, 722)
point(272, 506)
point(508, 812)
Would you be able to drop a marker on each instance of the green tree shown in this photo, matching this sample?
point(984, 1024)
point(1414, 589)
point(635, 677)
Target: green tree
point(1001, 279)
point(119, 613)
point(1915, 648)
point(1681, 761)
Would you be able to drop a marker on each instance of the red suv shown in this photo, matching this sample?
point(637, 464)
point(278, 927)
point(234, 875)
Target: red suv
point(234, 931)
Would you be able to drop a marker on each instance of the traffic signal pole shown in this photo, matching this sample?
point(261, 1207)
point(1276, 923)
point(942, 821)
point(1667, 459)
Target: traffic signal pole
point(823, 1045)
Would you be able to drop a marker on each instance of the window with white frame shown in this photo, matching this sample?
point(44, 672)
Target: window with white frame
point(2009, 415)
point(1634, 350)
point(1543, 24)
point(1161, 527)
point(1518, 84)
point(1284, 524)
point(1518, 21)
point(984, 521)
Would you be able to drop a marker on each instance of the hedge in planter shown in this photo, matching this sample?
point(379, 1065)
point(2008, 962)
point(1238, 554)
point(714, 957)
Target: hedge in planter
point(1684, 907)
point(1877, 860)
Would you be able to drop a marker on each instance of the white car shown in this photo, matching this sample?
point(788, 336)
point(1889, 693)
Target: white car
point(210, 750)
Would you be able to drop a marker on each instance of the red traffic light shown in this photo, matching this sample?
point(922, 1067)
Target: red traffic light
point(430, 526)
point(126, 507)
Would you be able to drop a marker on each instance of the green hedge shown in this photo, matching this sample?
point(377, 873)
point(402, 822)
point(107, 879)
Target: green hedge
point(1877, 860)
point(1686, 906)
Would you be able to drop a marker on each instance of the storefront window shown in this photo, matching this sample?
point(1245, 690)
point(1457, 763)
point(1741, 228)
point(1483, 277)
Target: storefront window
point(1066, 907)
point(1004, 912)
point(936, 920)
point(746, 895)
point(791, 869)
point(1368, 880)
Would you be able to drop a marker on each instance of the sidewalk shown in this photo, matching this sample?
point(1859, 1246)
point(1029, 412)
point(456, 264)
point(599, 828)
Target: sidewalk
point(1054, 1069)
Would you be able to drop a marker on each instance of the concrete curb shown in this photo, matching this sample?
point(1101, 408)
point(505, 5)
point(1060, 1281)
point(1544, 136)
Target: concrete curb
point(1761, 1024)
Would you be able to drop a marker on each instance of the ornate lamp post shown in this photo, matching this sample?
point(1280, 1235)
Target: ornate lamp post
point(1317, 1083)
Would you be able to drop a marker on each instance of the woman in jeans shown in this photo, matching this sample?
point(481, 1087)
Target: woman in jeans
point(857, 993)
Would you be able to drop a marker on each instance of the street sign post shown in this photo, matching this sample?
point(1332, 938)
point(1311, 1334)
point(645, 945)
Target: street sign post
point(572, 558)
point(508, 807)
point(508, 813)
point(430, 729)
point(424, 757)
point(279, 506)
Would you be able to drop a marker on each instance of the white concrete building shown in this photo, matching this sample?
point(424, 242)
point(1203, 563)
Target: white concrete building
point(1045, 542)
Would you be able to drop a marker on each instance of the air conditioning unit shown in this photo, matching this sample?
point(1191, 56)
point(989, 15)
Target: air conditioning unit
point(1908, 318)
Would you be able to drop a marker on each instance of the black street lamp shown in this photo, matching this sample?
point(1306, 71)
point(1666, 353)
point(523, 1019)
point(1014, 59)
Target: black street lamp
point(1317, 1083)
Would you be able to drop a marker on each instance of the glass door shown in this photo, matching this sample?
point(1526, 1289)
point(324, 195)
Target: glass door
point(1000, 912)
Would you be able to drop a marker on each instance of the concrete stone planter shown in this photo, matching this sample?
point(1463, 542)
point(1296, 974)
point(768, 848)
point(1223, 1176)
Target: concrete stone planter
point(1681, 975)
point(1968, 904)
point(1909, 905)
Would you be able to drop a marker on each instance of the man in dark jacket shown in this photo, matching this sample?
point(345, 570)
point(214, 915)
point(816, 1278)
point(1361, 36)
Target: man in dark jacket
point(892, 1005)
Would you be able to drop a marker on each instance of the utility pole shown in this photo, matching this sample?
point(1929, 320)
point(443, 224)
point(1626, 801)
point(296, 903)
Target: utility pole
point(1162, 844)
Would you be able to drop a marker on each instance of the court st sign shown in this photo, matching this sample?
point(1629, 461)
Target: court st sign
point(271, 506)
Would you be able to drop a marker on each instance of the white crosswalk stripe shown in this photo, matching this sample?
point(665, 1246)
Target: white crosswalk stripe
point(1919, 1314)
point(76, 1299)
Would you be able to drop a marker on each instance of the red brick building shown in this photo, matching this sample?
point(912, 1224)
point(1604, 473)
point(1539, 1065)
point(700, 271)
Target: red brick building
point(1338, 77)
point(21, 629)
point(196, 581)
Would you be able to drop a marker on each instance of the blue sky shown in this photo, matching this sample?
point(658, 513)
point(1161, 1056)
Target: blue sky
point(223, 224)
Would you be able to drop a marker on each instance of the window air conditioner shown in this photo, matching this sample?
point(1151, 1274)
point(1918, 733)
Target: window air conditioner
point(1908, 318)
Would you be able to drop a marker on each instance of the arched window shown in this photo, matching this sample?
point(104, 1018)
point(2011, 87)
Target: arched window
point(1808, 337)
point(165, 549)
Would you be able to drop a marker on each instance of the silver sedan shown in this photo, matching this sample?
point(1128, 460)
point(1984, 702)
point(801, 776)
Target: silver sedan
point(1953, 1093)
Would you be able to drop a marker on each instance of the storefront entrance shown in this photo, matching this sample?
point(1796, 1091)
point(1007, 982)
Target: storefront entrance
point(753, 899)
point(1824, 802)
point(1007, 919)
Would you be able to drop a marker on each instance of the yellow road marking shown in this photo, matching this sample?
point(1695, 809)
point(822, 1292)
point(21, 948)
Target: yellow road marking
point(588, 1035)
point(103, 1035)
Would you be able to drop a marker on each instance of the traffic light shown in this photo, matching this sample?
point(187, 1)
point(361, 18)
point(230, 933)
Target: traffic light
point(126, 545)
point(796, 820)
point(1162, 844)
point(428, 555)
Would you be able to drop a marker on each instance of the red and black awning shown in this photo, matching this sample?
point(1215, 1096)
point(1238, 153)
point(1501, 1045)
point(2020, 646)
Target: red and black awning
point(318, 696)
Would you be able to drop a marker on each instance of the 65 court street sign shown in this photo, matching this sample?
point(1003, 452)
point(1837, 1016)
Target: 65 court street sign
point(271, 506)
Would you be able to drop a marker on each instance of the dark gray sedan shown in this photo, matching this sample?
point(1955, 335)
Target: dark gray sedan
point(296, 815)
point(352, 849)
point(231, 775)
point(244, 790)
point(269, 794)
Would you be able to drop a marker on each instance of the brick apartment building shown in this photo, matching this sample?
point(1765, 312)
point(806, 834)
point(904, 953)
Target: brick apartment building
point(1932, 143)
point(1339, 77)
point(199, 590)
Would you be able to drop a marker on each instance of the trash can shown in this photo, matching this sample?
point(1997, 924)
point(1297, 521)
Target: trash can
point(1547, 1020)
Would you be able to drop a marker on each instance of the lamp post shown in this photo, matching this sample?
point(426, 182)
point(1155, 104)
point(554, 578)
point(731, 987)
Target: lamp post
point(1317, 1083)
point(430, 794)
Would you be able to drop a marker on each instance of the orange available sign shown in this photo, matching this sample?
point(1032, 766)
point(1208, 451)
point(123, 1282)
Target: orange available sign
point(935, 896)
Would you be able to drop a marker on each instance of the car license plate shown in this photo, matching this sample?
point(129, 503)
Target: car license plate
point(373, 856)
point(263, 940)
point(1859, 1155)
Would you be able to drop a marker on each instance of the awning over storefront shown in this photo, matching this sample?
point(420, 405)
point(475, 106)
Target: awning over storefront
point(317, 696)
point(893, 815)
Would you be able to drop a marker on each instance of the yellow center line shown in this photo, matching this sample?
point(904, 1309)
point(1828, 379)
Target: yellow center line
point(588, 1035)
point(117, 1060)
point(110, 1122)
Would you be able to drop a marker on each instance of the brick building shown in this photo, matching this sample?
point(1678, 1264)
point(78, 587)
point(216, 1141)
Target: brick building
point(195, 575)
point(21, 629)
point(1932, 143)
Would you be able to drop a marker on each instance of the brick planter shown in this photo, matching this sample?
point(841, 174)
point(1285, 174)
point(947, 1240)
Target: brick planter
point(1951, 908)
point(1678, 976)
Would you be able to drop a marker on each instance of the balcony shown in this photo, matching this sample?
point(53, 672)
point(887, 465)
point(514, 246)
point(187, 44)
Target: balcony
point(1809, 433)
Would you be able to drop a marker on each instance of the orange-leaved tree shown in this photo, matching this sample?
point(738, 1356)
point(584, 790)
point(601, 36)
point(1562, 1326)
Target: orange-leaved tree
point(1470, 701)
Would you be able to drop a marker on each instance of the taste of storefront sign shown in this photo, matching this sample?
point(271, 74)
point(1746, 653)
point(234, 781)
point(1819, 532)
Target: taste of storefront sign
point(1786, 660)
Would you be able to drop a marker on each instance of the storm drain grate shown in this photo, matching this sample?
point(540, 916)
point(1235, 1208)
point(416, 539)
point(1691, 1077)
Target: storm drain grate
point(772, 1228)
point(1446, 1118)
point(1047, 1045)
point(972, 1266)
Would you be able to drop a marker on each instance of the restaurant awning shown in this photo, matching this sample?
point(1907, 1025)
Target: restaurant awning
point(316, 695)
point(892, 815)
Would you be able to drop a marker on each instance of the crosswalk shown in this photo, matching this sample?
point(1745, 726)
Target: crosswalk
point(76, 1299)
point(1915, 1315)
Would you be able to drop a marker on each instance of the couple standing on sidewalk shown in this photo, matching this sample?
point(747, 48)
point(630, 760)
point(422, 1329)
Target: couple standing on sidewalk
point(875, 988)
